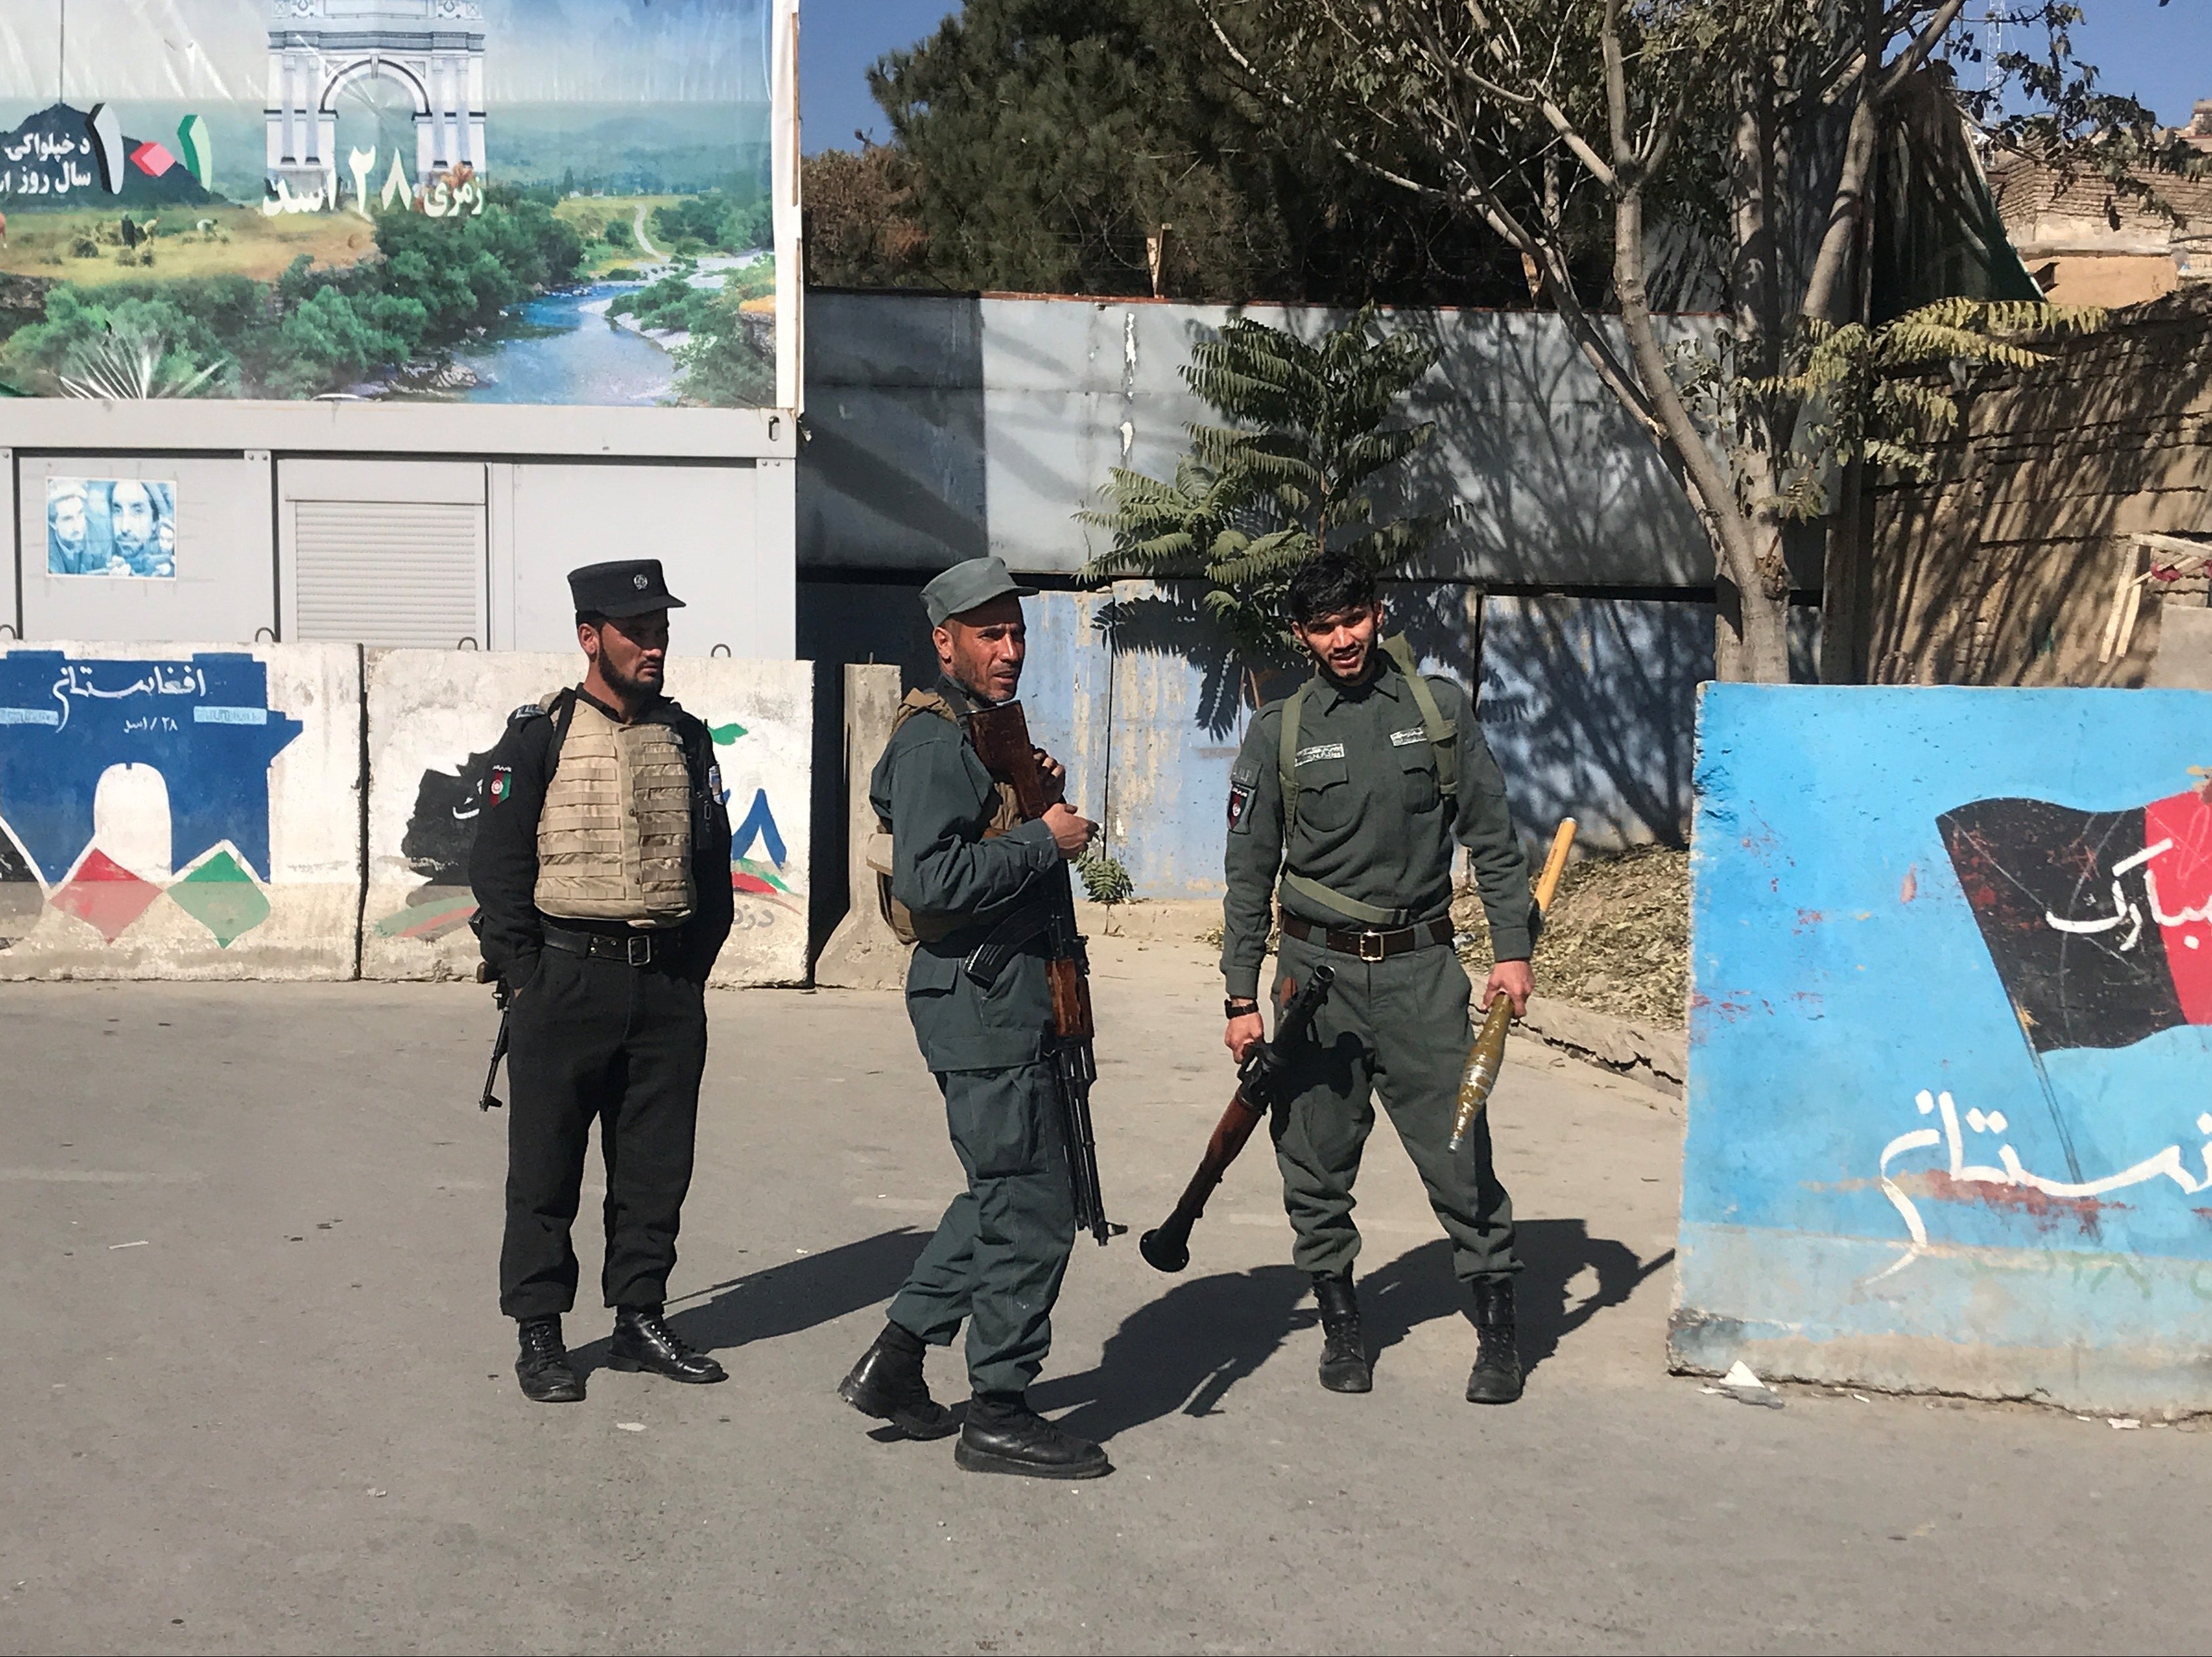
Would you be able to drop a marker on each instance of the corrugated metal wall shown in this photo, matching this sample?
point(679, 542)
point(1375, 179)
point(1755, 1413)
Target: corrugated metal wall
point(942, 426)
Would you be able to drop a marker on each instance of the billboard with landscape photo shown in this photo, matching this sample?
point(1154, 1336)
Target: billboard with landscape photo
point(558, 201)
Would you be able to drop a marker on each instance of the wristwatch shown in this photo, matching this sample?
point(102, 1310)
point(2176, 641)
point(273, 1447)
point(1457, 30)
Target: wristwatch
point(1239, 1006)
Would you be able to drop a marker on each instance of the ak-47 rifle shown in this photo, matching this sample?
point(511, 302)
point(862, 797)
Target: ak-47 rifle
point(1487, 1055)
point(500, 997)
point(1259, 1090)
point(1001, 736)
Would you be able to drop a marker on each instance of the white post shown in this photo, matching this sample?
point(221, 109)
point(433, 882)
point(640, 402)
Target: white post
point(783, 185)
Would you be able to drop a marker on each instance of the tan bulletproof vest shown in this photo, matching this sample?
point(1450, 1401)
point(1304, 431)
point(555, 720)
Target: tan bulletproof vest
point(614, 839)
point(908, 925)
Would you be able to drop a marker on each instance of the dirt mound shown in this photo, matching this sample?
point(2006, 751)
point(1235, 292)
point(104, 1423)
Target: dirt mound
point(1618, 938)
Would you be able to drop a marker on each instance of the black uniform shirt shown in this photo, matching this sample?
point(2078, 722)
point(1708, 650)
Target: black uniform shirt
point(503, 866)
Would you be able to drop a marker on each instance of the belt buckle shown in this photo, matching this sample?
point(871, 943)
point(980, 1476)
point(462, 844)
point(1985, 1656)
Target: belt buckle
point(1376, 938)
point(639, 948)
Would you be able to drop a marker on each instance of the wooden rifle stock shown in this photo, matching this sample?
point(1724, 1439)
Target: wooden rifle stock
point(1259, 1079)
point(1487, 1055)
point(1001, 738)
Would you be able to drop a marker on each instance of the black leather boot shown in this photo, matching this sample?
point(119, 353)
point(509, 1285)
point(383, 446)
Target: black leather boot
point(1003, 1434)
point(887, 1383)
point(1497, 1375)
point(642, 1341)
point(1344, 1366)
point(543, 1366)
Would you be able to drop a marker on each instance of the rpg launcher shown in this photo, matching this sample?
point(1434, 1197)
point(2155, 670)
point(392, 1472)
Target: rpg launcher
point(1259, 1089)
point(1485, 1058)
point(1001, 736)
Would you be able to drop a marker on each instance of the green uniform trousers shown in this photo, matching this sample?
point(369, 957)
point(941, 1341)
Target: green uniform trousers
point(1002, 1247)
point(1400, 1028)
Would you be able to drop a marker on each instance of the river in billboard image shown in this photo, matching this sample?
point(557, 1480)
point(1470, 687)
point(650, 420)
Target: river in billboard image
point(619, 343)
point(533, 201)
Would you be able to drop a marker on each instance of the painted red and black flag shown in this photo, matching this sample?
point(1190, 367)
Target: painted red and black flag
point(2096, 920)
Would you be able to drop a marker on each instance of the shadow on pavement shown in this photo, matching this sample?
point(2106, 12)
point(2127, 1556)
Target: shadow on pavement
point(1419, 1286)
point(1183, 1351)
point(786, 1299)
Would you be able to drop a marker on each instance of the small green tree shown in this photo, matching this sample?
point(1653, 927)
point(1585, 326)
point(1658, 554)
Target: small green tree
point(1253, 501)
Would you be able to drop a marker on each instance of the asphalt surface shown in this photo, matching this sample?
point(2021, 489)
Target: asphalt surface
point(258, 1393)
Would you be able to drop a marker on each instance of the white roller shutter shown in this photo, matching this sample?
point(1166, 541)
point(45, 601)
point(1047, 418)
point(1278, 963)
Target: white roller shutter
point(396, 572)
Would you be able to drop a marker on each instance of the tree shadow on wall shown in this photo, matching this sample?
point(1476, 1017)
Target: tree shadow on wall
point(1185, 1351)
point(1591, 706)
point(1171, 619)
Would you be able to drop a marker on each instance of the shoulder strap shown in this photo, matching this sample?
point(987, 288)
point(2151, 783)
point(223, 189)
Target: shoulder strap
point(923, 702)
point(561, 706)
point(1287, 761)
point(1443, 734)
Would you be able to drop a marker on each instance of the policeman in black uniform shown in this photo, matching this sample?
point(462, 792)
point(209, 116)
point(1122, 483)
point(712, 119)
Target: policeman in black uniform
point(602, 878)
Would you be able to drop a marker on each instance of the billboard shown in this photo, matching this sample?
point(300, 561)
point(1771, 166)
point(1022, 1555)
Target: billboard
point(545, 202)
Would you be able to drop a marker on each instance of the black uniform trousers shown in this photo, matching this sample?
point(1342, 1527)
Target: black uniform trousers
point(626, 1045)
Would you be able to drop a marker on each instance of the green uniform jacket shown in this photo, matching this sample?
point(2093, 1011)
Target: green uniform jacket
point(933, 790)
point(1371, 823)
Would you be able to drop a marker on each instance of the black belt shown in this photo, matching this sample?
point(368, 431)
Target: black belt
point(1371, 946)
point(633, 948)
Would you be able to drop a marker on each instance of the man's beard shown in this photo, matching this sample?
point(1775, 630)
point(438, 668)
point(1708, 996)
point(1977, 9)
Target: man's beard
point(624, 685)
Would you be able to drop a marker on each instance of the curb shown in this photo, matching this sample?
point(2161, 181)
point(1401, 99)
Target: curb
point(1658, 1058)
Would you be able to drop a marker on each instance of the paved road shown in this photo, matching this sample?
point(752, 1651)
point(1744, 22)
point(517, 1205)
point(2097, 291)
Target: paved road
point(258, 1393)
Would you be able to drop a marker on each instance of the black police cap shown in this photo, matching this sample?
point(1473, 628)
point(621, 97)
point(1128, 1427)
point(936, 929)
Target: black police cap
point(628, 587)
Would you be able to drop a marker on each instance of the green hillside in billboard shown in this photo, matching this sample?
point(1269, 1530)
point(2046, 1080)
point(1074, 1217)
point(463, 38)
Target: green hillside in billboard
point(495, 201)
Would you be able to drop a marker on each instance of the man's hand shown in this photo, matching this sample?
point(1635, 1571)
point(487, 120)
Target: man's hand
point(1069, 832)
point(1244, 1031)
point(1055, 773)
point(1511, 980)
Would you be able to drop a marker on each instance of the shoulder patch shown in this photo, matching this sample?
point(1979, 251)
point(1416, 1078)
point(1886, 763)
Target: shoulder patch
point(527, 712)
point(1320, 751)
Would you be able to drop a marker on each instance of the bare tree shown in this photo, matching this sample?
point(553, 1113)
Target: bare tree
point(1566, 125)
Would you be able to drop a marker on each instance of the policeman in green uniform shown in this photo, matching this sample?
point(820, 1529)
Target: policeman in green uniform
point(963, 868)
point(1352, 790)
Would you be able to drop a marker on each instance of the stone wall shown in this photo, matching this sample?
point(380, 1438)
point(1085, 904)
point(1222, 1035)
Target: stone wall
point(2008, 566)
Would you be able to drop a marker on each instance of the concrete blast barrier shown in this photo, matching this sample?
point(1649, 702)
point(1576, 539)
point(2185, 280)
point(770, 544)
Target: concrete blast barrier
point(434, 718)
point(179, 811)
point(1948, 1128)
point(862, 954)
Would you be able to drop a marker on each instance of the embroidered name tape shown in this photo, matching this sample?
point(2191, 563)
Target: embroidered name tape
point(1320, 751)
point(1413, 737)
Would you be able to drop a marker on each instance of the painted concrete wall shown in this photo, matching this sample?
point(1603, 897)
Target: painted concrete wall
point(179, 811)
point(1950, 1031)
point(434, 718)
point(942, 427)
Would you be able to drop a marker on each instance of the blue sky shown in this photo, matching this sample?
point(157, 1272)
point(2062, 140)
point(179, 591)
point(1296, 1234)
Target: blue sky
point(2164, 56)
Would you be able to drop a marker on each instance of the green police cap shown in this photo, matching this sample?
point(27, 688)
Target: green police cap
point(964, 586)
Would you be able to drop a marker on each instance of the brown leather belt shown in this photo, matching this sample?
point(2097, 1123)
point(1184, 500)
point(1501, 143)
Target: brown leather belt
point(1371, 946)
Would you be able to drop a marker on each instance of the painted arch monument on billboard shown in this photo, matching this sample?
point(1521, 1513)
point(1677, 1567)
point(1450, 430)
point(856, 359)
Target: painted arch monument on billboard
point(553, 202)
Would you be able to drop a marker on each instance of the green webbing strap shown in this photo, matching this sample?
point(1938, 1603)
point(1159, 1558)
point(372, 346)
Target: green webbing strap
point(1443, 735)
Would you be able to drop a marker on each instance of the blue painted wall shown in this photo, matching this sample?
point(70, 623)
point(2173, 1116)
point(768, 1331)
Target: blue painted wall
point(1883, 1180)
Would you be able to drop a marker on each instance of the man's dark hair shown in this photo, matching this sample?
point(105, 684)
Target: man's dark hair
point(1330, 585)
